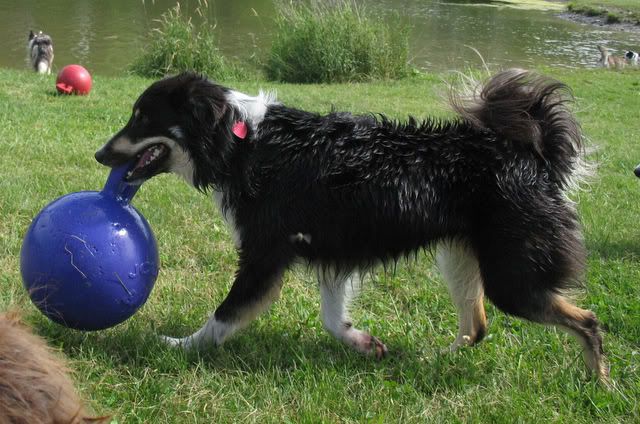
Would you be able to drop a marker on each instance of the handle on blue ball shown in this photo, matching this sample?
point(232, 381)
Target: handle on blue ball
point(117, 187)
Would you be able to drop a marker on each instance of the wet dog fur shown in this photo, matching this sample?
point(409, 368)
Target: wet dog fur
point(343, 193)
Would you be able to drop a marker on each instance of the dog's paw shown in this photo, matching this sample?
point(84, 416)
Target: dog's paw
point(173, 341)
point(367, 344)
point(377, 348)
point(460, 342)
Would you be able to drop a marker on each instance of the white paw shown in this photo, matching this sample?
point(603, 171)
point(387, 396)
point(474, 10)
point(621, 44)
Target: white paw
point(174, 342)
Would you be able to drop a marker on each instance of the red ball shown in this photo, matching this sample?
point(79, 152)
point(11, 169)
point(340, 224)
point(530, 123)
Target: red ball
point(73, 79)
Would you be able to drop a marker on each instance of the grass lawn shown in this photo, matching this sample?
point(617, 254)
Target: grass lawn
point(284, 367)
point(622, 10)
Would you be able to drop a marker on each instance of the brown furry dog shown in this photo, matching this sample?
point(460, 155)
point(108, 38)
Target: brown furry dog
point(34, 385)
point(608, 60)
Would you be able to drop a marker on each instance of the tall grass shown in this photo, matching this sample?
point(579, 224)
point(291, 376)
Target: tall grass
point(179, 45)
point(613, 11)
point(335, 41)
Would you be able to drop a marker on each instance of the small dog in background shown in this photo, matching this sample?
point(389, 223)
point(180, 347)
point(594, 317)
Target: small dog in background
point(40, 52)
point(608, 60)
point(632, 57)
point(34, 383)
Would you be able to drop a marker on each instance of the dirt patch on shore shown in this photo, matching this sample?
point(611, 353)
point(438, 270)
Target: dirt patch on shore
point(601, 20)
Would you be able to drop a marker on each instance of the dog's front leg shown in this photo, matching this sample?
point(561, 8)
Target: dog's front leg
point(336, 291)
point(257, 284)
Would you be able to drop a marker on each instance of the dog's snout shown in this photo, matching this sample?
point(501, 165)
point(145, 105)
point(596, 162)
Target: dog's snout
point(100, 155)
point(637, 171)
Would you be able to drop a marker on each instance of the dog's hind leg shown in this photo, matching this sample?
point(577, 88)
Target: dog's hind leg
point(256, 286)
point(554, 309)
point(336, 292)
point(526, 276)
point(584, 326)
point(459, 267)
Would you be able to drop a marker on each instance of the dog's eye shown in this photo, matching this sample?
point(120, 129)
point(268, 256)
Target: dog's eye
point(139, 117)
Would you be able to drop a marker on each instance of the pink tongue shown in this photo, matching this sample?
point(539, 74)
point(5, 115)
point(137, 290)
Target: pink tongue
point(146, 155)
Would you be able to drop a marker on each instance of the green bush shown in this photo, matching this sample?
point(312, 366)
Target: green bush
point(613, 18)
point(178, 45)
point(335, 42)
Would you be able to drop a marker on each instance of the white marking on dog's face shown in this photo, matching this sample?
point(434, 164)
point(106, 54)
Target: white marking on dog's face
point(152, 139)
point(178, 162)
point(124, 145)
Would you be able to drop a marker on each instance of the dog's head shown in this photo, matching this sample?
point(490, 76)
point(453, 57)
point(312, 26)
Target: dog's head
point(637, 171)
point(39, 39)
point(180, 124)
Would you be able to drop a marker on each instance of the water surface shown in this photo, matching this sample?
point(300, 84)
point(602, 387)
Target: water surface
point(106, 36)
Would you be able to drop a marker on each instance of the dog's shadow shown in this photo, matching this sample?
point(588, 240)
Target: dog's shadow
point(269, 351)
point(615, 249)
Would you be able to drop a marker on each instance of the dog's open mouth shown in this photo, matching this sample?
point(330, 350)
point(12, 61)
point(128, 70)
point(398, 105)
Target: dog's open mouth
point(149, 162)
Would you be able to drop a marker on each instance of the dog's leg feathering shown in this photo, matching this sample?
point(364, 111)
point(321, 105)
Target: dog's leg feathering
point(256, 286)
point(584, 326)
point(336, 293)
point(460, 269)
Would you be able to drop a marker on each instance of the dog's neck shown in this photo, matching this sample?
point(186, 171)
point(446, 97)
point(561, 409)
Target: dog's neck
point(251, 109)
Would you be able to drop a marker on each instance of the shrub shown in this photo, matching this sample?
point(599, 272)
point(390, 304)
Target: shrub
point(612, 18)
point(178, 45)
point(335, 42)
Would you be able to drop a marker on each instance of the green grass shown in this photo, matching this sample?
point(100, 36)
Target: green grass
point(177, 44)
point(614, 11)
point(284, 367)
point(338, 41)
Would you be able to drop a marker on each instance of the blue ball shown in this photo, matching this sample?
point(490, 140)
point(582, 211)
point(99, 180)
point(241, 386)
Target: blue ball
point(89, 260)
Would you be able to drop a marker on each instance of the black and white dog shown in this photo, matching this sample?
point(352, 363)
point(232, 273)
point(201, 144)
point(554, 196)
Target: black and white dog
point(343, 193)
point(40, 48)
point(632, 57)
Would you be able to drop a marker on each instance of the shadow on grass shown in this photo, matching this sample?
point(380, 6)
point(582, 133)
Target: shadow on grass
point(618, 249)
point(272, 352)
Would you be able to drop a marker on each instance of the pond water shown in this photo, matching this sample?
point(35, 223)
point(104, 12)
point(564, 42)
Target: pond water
point(105, 36)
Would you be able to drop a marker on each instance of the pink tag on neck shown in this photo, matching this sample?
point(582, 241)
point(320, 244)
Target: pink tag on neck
point(240, 129)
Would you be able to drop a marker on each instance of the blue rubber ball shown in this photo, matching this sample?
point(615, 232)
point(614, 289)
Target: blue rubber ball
point(89, 259)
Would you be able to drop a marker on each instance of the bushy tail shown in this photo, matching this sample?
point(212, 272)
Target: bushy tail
point(525, 107)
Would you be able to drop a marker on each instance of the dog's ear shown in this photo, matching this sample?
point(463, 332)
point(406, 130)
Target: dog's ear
point(208, 124)
point(31, 35)
point(208, 103)
point(205, 101)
